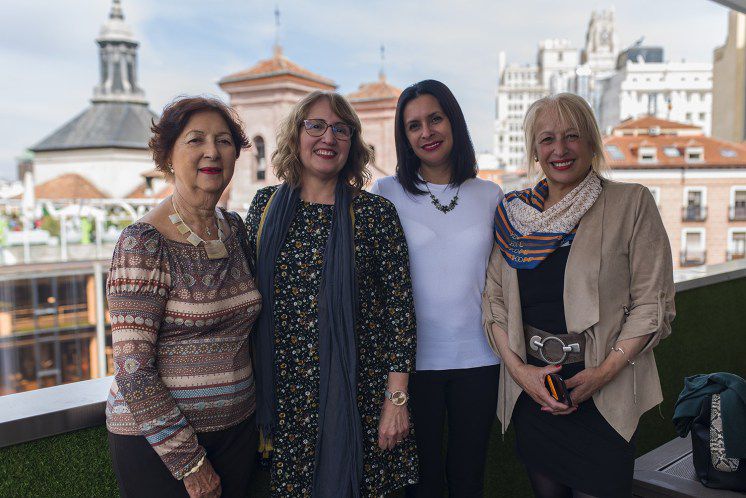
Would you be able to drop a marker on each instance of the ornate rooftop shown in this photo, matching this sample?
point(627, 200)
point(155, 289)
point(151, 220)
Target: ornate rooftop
point(377, 90)
point(276, 67)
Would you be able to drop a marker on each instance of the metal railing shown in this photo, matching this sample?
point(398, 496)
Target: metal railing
point(54, 410)
point(737, 213)
point(694, 213)
point(693, 257)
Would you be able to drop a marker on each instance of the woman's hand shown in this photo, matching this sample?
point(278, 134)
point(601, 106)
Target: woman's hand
point(531, 379)
point(585, 383)
point(204, 483)
point(393, 426)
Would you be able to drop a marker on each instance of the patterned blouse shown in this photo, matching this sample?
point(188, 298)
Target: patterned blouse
point(180, 329)
point(386, 334)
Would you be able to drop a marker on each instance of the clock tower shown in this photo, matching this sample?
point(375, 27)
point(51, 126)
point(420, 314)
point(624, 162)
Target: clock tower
point(601, 43)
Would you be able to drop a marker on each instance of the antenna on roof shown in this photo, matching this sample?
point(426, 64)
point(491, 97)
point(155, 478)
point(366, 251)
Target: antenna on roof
point(278, 47)
point(382, 73)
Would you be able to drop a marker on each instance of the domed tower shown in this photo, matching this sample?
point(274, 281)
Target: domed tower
point(118, 61)
point(106, 144)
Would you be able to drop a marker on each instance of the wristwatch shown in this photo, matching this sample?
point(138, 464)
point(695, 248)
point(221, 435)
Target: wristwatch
point(397, 397)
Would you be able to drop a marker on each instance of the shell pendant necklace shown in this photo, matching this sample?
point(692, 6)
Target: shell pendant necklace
point(215, 248)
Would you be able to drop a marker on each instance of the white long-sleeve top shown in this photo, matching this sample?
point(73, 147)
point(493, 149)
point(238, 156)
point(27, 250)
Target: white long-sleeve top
point(448, 255)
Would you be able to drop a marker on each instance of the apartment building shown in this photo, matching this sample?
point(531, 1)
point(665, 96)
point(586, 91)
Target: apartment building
point(699, 184)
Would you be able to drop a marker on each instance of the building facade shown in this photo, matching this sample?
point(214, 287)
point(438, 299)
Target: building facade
point(375, 104)
point(262, 96)
point(519, 86)
point(644, 84)
point(108, 142)
point(729, 82)
point(699, 184)
point(54, 325)
point(559, 67)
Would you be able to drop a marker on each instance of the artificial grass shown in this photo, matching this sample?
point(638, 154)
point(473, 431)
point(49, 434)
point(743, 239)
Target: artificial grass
point(709, 335)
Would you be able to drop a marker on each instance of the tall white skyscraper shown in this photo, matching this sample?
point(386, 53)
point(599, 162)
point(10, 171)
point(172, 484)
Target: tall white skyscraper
point(521, 85)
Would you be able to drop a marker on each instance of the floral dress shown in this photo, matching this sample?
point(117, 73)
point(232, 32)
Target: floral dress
point(386, 337)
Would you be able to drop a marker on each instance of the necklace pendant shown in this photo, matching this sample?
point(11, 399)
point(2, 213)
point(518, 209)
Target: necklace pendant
point(194, 239)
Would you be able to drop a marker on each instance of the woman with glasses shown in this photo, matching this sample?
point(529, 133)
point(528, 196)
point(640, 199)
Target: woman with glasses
point(447, 217)
point(335, 341)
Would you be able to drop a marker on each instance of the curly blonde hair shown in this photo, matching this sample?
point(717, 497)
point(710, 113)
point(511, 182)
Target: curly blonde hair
point(286, 158)
point(570, 109)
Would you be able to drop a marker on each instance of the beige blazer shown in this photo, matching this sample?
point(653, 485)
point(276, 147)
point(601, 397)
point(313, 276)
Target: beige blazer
point(618, 285)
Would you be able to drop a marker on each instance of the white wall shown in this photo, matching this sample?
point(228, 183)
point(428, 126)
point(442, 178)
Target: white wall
point(116, 172)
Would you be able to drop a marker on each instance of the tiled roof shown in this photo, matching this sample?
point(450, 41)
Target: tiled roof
point(103, 124)
point(647, 122)
point(68, 186)
point(140, 192)
point(671, 152)
point(279, 65)
point(377, 90)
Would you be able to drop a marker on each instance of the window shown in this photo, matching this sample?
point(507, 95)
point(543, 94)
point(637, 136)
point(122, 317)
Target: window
point(614, 152)
point(688, 116)
point(695, 201)
point(737, 203)
point(671, 151)
point(695, 154)
point(693, 249)
point(728, 153)
point(736, 244)
point(647, 155)
point(702, 116)
point(261, 158)
point(653, 104)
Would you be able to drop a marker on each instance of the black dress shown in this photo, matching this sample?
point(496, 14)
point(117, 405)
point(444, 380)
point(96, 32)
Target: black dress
point(580, 450)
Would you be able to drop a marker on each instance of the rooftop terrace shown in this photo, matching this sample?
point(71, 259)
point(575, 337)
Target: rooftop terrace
point(53, 441)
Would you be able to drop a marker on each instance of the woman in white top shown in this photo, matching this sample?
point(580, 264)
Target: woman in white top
point(446, 212)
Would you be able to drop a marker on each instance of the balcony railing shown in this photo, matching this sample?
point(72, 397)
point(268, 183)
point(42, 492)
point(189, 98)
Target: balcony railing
point(737, 213)
point(43, 452)
point(733, 255)
point(694, 213)
point(693, 257)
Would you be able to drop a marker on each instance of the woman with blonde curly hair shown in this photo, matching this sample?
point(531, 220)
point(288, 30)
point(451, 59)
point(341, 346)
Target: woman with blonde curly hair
point(335, 341)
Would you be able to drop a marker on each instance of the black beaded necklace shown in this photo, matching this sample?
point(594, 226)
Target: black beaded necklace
point(440, 207)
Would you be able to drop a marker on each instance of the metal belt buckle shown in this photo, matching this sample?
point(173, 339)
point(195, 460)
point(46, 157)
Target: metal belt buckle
point(538, 345)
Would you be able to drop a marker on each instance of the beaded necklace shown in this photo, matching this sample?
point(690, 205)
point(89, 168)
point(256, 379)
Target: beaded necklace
point(440, 207)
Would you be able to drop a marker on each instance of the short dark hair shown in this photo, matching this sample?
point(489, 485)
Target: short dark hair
point(175, 117)
point(463, 158)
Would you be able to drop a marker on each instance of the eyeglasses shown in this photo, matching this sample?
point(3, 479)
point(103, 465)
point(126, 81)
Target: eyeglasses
point(317, 127)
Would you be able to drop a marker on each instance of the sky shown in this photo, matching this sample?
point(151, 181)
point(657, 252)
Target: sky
point(49, 59)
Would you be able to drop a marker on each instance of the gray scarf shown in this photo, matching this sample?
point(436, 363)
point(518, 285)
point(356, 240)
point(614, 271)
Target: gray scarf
point(339, 447)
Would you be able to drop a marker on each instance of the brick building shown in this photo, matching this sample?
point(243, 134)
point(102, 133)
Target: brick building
point(699, 184)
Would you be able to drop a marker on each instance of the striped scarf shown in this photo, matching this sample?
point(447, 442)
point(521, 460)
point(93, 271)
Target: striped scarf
point(527, 235)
